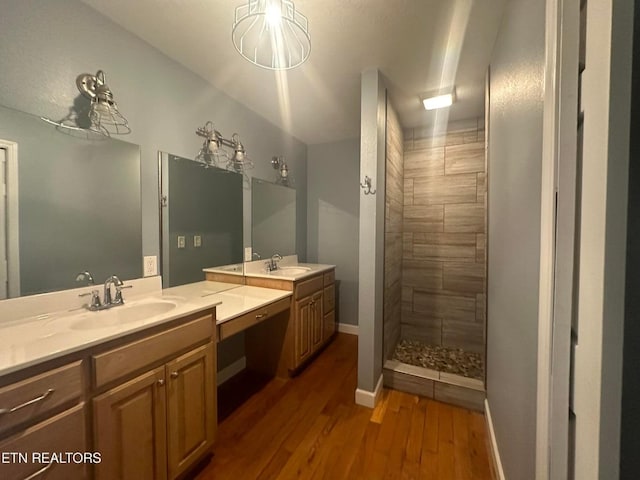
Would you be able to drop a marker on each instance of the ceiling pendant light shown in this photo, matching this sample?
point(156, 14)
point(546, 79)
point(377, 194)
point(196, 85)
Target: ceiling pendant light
point(271, 34)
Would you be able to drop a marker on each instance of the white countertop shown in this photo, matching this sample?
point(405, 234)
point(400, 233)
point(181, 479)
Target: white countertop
point(232, 302)
point(258, 269)
point(32, 340)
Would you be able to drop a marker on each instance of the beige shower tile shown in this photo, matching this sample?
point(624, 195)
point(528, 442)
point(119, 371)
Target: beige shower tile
point(467, 278)
point(467, 158)
point(447, 307)
point(423, 218)
point(444, 189)
point(421, 274)
point(424, 163)
point(464, 217)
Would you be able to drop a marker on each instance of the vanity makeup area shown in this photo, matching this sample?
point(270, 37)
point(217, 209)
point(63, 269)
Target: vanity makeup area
point(133, 388)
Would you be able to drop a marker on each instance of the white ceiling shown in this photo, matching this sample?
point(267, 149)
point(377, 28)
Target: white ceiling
point(418, 45)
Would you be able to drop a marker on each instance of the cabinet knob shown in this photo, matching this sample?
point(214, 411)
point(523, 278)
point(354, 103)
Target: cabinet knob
point(175, 374)
point(161, 382)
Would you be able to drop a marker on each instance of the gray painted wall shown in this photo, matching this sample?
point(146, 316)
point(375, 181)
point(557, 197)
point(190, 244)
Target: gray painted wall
point(273, 219)
point(46, 44)
point(514, 172)
point(371, 241)
point(333, 210)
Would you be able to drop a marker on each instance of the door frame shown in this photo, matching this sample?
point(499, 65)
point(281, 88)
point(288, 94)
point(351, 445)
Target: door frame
point(13, 234)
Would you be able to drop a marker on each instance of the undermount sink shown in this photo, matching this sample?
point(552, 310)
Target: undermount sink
point(291, 270)
point(122, 315)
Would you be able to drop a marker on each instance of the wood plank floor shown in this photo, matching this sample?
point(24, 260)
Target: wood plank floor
point(310, 427)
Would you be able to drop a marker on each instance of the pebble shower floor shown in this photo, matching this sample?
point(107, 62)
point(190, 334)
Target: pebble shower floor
point(442, 359)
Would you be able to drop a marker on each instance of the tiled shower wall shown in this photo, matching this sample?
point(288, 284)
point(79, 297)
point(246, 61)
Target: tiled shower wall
point(444, 248)
point(393, 231)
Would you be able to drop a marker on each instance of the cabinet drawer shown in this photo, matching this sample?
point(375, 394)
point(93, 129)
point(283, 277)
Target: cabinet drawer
point(329, 298)
point(60, 434)
point(231, 327)
point(119, 362)
point(32, 398)
point(308, 287)
point(329, 277)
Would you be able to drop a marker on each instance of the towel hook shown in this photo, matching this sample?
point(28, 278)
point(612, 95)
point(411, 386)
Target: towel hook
point(367, 186)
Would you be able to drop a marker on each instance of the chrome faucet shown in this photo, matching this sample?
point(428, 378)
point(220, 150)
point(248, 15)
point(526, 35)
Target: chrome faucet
point(272, 264)
point(107, 288)
point(106, 302)
point(85, 277)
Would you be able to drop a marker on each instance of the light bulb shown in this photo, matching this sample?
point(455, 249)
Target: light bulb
point(273, 15)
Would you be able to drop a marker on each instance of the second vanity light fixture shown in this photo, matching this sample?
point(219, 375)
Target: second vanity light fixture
point(283, 177)
point(104, 117)
point(211, 152)
point(271, 34)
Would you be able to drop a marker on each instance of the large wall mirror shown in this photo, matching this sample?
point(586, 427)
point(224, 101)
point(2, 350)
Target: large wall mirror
point(273, 218)
point(201, 218)
point(73, 204)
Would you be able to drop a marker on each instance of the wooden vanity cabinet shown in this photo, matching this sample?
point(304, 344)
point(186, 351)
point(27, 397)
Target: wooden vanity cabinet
point(311, 320)
point(158, 424)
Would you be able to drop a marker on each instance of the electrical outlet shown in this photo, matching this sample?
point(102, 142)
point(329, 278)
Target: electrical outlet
point(182, 241)
point(150, 266)
point(247, 254)
point(197, 241)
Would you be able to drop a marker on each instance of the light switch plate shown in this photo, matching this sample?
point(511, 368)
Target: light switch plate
point(247, 254)
point(182, 241)
point(197, 241)
point(150, 266)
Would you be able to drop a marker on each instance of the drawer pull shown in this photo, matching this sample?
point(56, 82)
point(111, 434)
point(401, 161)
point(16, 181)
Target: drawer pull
point(261, 315)
point(161, 382)
point(26, 404)
point(175, 374)
point(39, 472)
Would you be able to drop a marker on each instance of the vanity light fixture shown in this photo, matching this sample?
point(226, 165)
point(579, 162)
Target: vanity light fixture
point(271, 34)
point(103, 116)
point(439, 98)
point(212, 151)
point(283, 177)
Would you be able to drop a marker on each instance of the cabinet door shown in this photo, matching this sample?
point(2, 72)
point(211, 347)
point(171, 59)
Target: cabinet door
point(130, 429)
point(191, 408)
point(316, 320)
point(303, 319)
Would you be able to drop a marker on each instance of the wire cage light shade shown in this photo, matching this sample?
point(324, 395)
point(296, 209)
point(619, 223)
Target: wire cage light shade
point(103, 113)
point(271, 34)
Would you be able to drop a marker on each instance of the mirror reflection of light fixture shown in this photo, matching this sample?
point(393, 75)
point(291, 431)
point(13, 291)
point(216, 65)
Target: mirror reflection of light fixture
point(103, 116)
point(282, 177)
point(212, 151)
point(271, 34)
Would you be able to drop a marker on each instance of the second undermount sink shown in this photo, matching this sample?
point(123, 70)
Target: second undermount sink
point(294, 270)
point(122, 315)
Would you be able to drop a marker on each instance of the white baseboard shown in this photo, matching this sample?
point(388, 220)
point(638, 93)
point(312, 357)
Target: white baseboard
point(348, 328)
point(493, 443)
point(231, 370)
point(367, 398)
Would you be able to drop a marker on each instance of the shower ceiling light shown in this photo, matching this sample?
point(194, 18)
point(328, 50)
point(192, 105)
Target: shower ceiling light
point(271, 34)
point(438, 99)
